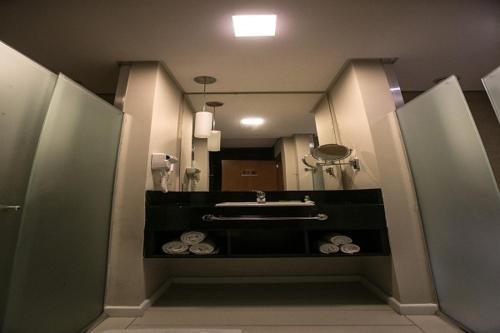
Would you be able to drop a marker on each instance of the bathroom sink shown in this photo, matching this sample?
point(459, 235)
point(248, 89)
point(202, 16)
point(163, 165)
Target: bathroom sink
point(290, 203)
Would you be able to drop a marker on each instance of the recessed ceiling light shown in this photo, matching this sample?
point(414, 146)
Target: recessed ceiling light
point(254, 25)
point(252, 121)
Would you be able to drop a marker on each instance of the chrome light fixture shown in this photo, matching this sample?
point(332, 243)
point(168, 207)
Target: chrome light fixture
point(203, 119)
point(215, 135)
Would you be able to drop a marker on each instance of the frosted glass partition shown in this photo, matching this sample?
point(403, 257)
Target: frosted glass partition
point(59, 273)
point(459, 203)
point(25, 92)
point(491, 83)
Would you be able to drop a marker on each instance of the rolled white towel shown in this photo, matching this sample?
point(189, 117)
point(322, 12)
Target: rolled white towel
point(328, 248)
point(175, 247)
point(193, 237)
point(203, 248)
point(350, 248)
point(339, 239)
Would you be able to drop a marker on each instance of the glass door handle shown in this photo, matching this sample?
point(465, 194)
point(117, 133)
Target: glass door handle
point(7, 207)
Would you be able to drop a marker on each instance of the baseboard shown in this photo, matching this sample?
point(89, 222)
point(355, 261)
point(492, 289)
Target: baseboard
point(265, 279)
point(401, 308)
point(138, 310)
point(413, 309)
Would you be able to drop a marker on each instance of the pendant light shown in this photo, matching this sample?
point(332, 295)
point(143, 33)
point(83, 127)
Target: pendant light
point(215, 135)
point(203, 119)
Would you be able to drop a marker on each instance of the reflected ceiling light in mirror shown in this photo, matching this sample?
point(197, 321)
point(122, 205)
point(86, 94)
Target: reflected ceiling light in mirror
point(254, 25)
point(203, 119)
point(213, 142)
point(252, 121)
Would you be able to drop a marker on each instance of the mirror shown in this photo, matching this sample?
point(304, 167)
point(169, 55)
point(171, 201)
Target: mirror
point(330, 152)
point(268, 142)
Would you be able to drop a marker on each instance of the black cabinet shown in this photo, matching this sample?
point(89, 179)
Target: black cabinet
point(358, 214)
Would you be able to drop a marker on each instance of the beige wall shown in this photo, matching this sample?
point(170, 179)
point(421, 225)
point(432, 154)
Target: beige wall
point(168, 105)
point(411, 267)
point(186, 137)
point(292, 149)
point(326, 132)
point(201, 162)
point(353, 129)
point(324, 123)
point(152, 105)
point(364, 112)
point(289, 162)
point(302, 148)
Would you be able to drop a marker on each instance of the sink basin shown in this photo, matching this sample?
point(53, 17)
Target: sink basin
point(291, 203)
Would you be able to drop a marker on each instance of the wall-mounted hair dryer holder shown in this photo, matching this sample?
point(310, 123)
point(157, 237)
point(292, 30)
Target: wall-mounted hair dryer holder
point(163, 161)
point(162, 165)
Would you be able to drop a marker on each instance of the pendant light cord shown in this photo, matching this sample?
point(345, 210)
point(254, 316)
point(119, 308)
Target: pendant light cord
point(213, 120)
point(204, 96)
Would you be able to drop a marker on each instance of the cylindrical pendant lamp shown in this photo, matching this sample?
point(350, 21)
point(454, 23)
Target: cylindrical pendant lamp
point(214, 141)
point(203, 124)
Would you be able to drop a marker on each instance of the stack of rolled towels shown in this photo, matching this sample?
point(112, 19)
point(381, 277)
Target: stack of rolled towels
point(194, 242)
point(334, 243)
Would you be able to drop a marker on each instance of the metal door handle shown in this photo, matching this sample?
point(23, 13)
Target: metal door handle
point(7, 207)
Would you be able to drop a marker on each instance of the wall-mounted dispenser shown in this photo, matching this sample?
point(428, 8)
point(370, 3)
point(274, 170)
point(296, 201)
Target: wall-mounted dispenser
point(192, 177)
point(163, 164)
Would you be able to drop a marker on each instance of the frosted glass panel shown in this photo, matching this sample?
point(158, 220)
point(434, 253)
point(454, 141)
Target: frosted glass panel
point(459, 204)
point(491, 83)
point(59, 272)
point(25, 92)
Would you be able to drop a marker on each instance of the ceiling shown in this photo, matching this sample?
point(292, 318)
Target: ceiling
point(283, 114)
point(86, 39)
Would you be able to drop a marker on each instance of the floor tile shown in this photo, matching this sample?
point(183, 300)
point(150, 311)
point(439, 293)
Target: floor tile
point(308, 329)
point(112, 323)
point(178, 330)
point(267, 316)
point(289, 294)
point(434, 324)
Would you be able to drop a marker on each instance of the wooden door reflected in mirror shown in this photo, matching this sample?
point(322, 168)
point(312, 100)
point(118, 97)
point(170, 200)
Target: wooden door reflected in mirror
point(249, 175)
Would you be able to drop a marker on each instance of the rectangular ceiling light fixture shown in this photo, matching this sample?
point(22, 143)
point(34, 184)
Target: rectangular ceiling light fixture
point(254, 25)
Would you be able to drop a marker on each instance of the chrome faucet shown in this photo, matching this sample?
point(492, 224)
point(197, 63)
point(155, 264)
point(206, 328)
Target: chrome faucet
point(261, 196)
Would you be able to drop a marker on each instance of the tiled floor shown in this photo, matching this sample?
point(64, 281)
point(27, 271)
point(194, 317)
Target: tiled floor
point(290, 308)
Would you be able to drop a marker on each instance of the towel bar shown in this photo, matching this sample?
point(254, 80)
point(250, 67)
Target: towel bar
point(210, 217)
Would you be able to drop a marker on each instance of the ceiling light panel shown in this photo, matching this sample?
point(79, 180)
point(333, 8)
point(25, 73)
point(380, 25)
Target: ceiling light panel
point(252, 121)
point(254, 25)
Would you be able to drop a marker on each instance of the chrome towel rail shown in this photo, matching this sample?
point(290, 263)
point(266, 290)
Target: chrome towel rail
point(210, 217)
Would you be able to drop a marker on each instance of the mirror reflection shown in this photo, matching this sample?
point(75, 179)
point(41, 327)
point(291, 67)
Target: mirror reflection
point(262, 141)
